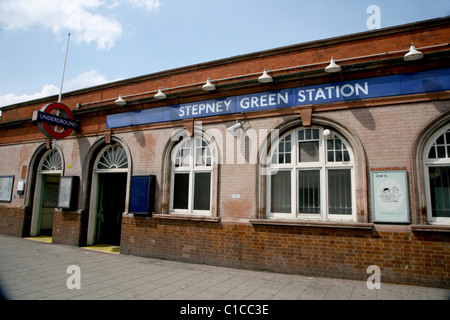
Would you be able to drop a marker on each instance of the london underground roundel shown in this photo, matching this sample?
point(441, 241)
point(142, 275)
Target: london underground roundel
point(56, 120)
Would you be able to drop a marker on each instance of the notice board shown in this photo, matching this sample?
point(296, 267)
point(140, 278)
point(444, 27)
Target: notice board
point(390, 196)
point(142, 197)
point(6, 187)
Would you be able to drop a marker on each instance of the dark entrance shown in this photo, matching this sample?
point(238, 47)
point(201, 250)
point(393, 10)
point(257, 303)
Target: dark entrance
point(112, 190)
point(50, 189)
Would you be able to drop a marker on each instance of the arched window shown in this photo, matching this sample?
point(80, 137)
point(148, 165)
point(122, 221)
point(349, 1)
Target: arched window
point(51, 162)
point(311, 176)
point(113, 158)
point(437, 176)
point(191, 177)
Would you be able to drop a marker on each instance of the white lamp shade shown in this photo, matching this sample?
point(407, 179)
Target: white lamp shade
point(120, 101)
point(265, 78)
point(208, 86)
point(413, 54)
point(332, 67)
point(160, 95)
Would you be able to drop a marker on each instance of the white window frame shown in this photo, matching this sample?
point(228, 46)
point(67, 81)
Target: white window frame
point(191, 169)
point(48, 158)
point(437, 162)
point(113, 164)
point(323, 166)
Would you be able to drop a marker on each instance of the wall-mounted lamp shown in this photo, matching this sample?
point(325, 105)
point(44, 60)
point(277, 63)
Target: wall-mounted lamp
point(120, 101)
point(327, 133)
point(208, 86)
point(235, 126)
point(332, 67)
point(265, 78)
point(413, 54)
point(160, 95)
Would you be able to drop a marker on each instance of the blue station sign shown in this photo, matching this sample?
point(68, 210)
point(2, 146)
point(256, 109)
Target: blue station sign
point(377, 87)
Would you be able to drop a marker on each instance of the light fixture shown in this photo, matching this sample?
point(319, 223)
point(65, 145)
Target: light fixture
point(235, 126)
point(120, 101)
point(265, 78)
point(332, 67)
point(327, 133)
point(208, 86)
point(160, 95)
point(413, 54)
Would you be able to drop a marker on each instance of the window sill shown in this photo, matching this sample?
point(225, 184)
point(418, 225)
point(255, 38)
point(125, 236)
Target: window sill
point(186, 217)
point(430, 227)
point(319, 224)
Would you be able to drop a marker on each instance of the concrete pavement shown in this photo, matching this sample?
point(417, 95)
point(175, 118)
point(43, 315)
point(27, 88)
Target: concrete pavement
point(31, 270)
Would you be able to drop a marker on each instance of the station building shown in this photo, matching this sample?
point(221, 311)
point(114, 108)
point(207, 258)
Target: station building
point(322, 159)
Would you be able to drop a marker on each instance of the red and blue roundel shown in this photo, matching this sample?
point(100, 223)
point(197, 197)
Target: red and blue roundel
point(56, 120)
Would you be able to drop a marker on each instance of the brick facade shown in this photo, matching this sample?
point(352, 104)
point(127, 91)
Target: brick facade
point(69, 228)
point(403, 256)
point(385, 133)
point(15, 221)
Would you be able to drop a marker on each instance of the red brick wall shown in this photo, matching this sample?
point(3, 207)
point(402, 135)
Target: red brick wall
point(403, 257)
point(15, 221)
point(69, 228)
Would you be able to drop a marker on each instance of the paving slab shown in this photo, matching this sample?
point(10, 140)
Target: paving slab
point(34, 270)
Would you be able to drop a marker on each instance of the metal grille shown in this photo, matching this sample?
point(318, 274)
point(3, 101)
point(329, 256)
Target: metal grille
point(52, 161)
point(309, 191)
point(113, 157)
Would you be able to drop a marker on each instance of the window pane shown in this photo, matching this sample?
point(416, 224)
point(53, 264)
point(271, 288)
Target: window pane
point(440, 191)
point(308, 151)
point(202, 191)
point(330, 156)
point(183, 155)
point(432, 154)
point(441, 151)
point(309, 191)
point(181, 191)
point(339, 192)
point(315, 133)
point(202, 153)
point(281, 192)
point(284, 150)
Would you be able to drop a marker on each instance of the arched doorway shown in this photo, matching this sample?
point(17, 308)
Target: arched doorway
point(46, 193)
point(108, 195)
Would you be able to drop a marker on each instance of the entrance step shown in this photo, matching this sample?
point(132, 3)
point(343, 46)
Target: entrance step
point(46, 239)
point(104, 247)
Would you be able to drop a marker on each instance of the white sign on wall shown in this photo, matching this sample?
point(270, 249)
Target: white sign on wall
point(390, 196)
point(6, 186)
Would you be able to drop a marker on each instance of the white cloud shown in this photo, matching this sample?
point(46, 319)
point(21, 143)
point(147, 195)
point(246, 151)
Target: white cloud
point(62, 15)
point(77, 16)
point(83, 80)
point(11, 98)
point(149, 4)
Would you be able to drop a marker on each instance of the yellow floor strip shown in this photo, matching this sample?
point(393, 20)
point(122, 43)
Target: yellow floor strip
point(47, 239)
point(104, 247)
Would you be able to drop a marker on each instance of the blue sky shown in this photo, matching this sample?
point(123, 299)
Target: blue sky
point(119, 39)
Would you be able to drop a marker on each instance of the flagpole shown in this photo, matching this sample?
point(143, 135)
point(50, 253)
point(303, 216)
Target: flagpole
point(61, 87)
point(64, 68)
